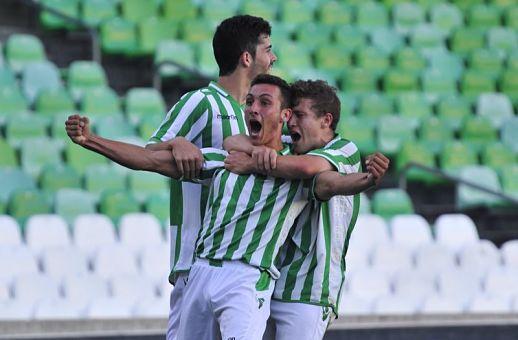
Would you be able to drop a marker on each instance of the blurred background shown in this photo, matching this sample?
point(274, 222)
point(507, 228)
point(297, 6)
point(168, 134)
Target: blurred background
point(433, 84)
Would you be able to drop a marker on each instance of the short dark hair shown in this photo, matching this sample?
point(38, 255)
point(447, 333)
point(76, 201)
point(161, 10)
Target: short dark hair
point(323, 95)
point(283, 86)
point(234, 36)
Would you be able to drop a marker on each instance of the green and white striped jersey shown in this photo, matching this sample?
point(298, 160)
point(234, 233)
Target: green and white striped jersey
point(205, 117)
point(312, 261)
point(248, 218)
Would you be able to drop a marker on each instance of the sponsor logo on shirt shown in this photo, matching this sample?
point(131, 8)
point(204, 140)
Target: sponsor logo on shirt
point(226, 117)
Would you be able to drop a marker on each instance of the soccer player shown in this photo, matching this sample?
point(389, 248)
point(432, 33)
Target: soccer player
point(312, 262)
point(246, 222)
point(242, 50)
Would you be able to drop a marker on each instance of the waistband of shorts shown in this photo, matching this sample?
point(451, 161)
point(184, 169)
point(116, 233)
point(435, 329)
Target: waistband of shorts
point(223, 263)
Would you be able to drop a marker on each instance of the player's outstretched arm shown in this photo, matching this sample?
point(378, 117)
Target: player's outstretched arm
point(127, 155)
point(332, 183)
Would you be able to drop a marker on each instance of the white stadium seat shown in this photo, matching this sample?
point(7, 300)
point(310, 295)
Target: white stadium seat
point(459, 285)
point(390, 258)
point(411, 231)
point(509, 251)
point(109, 308)
point(397, 305)
point(434, 258)
point(61, 261)
point(490, 304)
point(351, 304)
point(5, 290)
point(113, 260)
point(412, 283)
point(11, 310)
point(479, 257)
point(154, 262)
point(502, 281)
point(34, 287)
point(438, 304)
point(455, 231)
point(165, 288)
point(132, 288)
point(45, 231)
point(84, 288)
point(138, 230)
point(158, 307)
point(9, 231)
point(16, 261)
point(91, 231)
point(369, 284)
point(59, 309)
point(370, 230)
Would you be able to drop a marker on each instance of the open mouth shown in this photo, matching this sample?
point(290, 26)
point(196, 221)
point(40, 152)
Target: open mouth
point(255, 126)
point(295, 137)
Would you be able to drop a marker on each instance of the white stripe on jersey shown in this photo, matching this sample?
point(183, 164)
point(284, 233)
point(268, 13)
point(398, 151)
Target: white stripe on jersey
point(183, 115)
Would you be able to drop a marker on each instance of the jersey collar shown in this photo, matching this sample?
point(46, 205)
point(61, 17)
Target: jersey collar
point(218, 88)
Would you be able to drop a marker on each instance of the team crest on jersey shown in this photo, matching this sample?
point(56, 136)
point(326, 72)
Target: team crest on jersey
point(325, 313)
point(261, 302)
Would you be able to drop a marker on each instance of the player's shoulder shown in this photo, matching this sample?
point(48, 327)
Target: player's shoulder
point(343, 145)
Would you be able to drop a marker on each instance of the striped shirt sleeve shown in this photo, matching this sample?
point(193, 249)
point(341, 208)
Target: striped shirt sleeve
point(214, 159)
point(345, 159)
point(186, 118)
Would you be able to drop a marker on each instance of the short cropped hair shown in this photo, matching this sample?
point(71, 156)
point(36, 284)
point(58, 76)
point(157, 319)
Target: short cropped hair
point(283, 86)
point(234, 36)
point(323, 95)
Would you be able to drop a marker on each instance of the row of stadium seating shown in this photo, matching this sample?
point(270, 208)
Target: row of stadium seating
point(399, 261)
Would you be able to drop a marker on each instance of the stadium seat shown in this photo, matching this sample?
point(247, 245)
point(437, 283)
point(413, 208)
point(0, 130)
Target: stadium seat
point(490, 305)
point(455, 231)
point(332, 58)
point(511, 17)
point(398, 81)
point(413, 284)
point(118, 36)
point(196, 30)
point(10, 231)
point(114, 127)
point(374, 106)
point(94, 12)
point(470, 197)
point(407, 16)
point(132, 288)
point(206, 63)
point(178, 10)
point(496, 107)
point(410, 231)
point(152, 30)
point(117, 203)
point(456, 155)
point(427, 37)
point(152, 308)
point(22, 49)
point(25, 126)
point(84, 288)
point(84, 76)
point(57, 262)
point(509, 133)
point(509, 85)
point(53, 178)
point(446, 17)
point(7, 78)
point(7, 155)
point(354, 305)
point(365, 206)
point(58, 309)
point(265, 10)
point(69, 203)
point(109, 308)
point(369, 284)
point(396, 305)
point(483, 16)
point(24, 290)
point(489, 62)
point(359, 81)
point(135, 10)
point(360, 130)
point(509, 252)
point(465, 40)
point(474, 83)
point(370, 15)
point(12, 180)
point(432, 258)
point(68, 8)
point(434, 134)
point(350, 37)
point(409, 59)
point(12, 103)
point(139, 230)
point(386, 40)
point(25, 203)
point(295, 12)
point(46, 231)
point(16, 261)
point(154, 262)
point(453, 110)
point(144, 184)
point(295, 55)
point(103, 177)
point(478, 131)
point(175, 51)
point(92, 231)
point(390, 202)
point(393, 132)
point(142, 102)
point(390, 258)
point(100, 102)
point(158, 205)
point(348, 103)
point(497, 156)
point(5, 291)
point(458, 285)
point(479, 258)
point(502, 282)
point(15, 310)
point(510, 180)
point(414, 107)
point(80, 159)
point(37, 153)
point(436, 304)
point(370, 231)
point(53, 102)
point(373, 59)
point(436, 84)
point(313, 34)
point(335, 13)
point(113, 260)
point(447, 64)
point(502, 38)
point(420, 154)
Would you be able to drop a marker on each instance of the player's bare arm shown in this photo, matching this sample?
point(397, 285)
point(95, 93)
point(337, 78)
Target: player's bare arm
point(264, 157)
point(188, 157)
point(127, 155)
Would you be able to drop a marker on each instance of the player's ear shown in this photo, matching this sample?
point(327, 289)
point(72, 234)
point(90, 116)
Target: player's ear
point(246, 59)
point(286, 114)
point(327, 120)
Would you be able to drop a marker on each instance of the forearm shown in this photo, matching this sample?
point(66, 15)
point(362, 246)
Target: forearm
point(163, 146)
point(133, 156)
point(238, 143)
point(300, 167)
point(332, 183)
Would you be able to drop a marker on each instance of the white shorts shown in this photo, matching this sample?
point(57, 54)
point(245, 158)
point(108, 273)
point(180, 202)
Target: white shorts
point(301, 321)
point(228, 300)
point(175, 305)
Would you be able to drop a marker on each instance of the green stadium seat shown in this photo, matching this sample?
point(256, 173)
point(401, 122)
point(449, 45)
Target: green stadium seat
point(313, 73)
point(390, 202)
point(69, 8)
point(332, 58)
point(206, 63)
point(295, 12)
point(370, 15)
point(25, 203)
point(504, 4)
point(145, 184)
point(427, 37)
point(180, 9)
point(386, 40)
point(313, 34)
point(218, 10)
point(497, 156)
point(100, 102)
point(80, 159)
point(53, 178)
point(414, 107)
point(94, 12)
point(335, 13)
point(158, 205)
point(374, 105)
point(151, 31)
point(398, 81)
point(196, 30)
point(84, 76)
point(12, 103)
point(478, 131)
point(70, 203)
point(142, 102)
point(456, 155)
point(350, 37)
point(465, 40)
point(512, 60)
point(407, 16)
point(57, 126)
point(174, 51)
point(420, 154)
point(114, 127)
point(509, 133)
point(502, 39)
point(360, 130)
point(148, 126)
point(118, 36)
point(483, 16)
point(510, 180)
point(434, 133)
point(282, 32)
point(7, 155)
point(22, 49)
point(52, 102)
point(466, 4)
point(12, 180)
point(453, 110)
point(137, 10)
point(509, 85)
point(468, 197)
point(409, 59)
point(104, 177)
point(450, 65)
point(25, 126)
point(436, 83)
point(7, 78)
point(358, 80)
point(37, 153)
point(265, 10)
point(348, 103)
point(474, 83)
point(116, 203)
point(373, 59)
point(496, 107)
point(446, 17)
point(39, 76)
point(487, 61)
point(511, 17)
point(393, 131)
point(294, 56)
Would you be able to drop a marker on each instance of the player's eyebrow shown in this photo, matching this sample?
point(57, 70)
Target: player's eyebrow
point(265, 95)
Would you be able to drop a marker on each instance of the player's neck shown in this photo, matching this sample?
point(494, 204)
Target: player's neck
point(236, 84)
